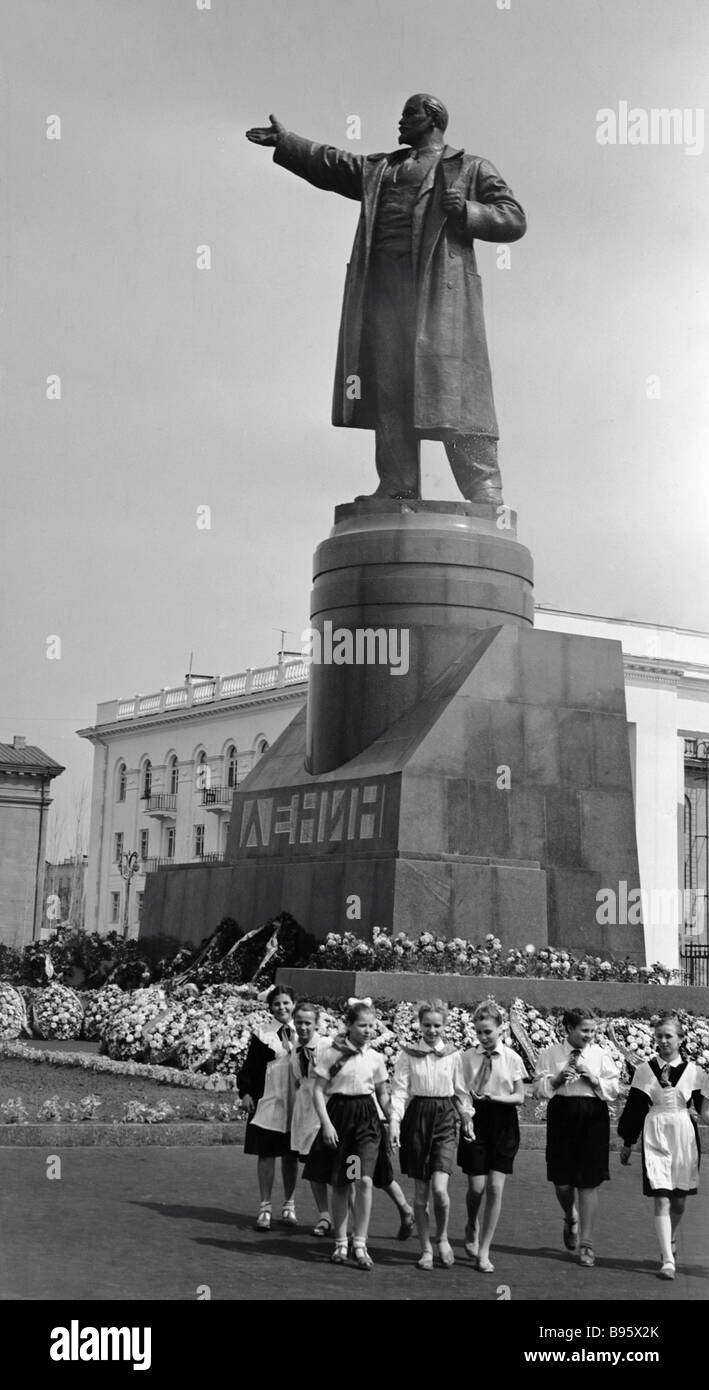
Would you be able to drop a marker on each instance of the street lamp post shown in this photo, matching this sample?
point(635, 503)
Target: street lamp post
point(128, 865)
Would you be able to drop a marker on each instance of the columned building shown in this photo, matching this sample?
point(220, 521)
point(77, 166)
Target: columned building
point(165, 769)
point(166, 765)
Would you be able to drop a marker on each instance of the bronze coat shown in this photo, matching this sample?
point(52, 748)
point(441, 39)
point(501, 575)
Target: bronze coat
point(452, 385)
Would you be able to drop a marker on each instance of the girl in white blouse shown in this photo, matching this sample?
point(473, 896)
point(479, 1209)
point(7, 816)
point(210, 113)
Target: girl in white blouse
point(580, 1080)
point(305, 1121)
point(348, 1076)
point(428, 1093)
point(495, 1076)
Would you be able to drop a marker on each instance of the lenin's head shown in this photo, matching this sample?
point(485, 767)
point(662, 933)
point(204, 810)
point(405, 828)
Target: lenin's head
point(420, 114)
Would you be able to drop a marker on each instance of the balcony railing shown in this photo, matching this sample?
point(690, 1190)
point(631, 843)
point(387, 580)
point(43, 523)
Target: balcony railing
point(162, 803)
point(148, 866)
point(218, 796)
point(200, 692)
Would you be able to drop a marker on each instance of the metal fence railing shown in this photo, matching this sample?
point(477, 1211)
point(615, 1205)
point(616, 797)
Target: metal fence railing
point(694, 964)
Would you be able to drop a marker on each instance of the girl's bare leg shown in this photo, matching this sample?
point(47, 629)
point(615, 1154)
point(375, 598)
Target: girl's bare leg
point(663, 1226)
point(441, 1205)
point(362, 1208)
point(289, 1174)
point(265, 1172)
point(588, 1206)
point(473, 1198)
point(493, 1205)
point(421, 1190)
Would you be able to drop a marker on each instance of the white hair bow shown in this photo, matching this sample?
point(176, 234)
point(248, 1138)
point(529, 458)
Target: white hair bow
point(353, 1001)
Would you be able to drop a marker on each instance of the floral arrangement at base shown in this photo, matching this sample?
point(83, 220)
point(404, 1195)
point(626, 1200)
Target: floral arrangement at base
point(200, 1039)
point(122, 1036)
point(13, 1015)
point(90, 1062)
point(57, 1012)
point(99, 1007)
point(435, 955)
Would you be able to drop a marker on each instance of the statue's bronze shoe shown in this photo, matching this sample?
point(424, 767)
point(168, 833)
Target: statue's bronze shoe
point(409, 496)
point(489, 493)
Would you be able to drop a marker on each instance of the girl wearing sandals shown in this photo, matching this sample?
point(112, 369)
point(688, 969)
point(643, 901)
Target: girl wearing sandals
point(428, 1094)
point(348, 1076)
point(661, 1093)
point(264, 1084)
point(495, 1076)
point(580, 1080)
point(305, 1121)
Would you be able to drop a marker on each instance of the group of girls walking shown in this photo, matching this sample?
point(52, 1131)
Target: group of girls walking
point(328, 1104)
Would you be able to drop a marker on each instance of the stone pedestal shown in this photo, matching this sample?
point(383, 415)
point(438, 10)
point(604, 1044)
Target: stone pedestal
point(485, 788)
point(399, 589)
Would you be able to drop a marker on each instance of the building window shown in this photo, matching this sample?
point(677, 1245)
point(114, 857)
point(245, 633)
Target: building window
point(117, 846)
point(198, 841)
point(231, 767)
point(115, 906)
point(139, 904)
point(147, 780)
point(261, 747)
point(170, 842)
point(144, 843)
point(122, 779)
point(174, 776)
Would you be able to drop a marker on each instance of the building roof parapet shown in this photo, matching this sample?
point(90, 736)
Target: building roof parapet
point(195, 694)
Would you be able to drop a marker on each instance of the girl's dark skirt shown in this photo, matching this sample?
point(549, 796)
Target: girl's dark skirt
point(428, 1135)
point(266, 1143)
point(384, 1166)
point(496, 1140)
point(360, 1136)
point(578, 1141)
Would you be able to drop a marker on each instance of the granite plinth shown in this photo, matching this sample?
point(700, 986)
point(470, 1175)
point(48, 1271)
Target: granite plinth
point(460, 819)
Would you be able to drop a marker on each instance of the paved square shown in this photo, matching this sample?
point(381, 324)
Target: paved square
point(159, 1223)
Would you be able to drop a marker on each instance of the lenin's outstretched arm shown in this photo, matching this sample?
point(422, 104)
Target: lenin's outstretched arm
point(322, 165)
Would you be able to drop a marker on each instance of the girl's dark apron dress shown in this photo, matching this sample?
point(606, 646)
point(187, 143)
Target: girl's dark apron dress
point(265, 1076)
point(359, 1133)
point(578, 1141)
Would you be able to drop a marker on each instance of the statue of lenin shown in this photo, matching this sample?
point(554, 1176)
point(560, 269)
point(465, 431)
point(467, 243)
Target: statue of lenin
point(412, 359)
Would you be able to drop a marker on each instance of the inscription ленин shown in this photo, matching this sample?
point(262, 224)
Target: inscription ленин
point(318, 815)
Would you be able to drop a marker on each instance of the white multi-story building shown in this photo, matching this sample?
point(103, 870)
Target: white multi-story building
point(165, 769)
point(166, 765)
